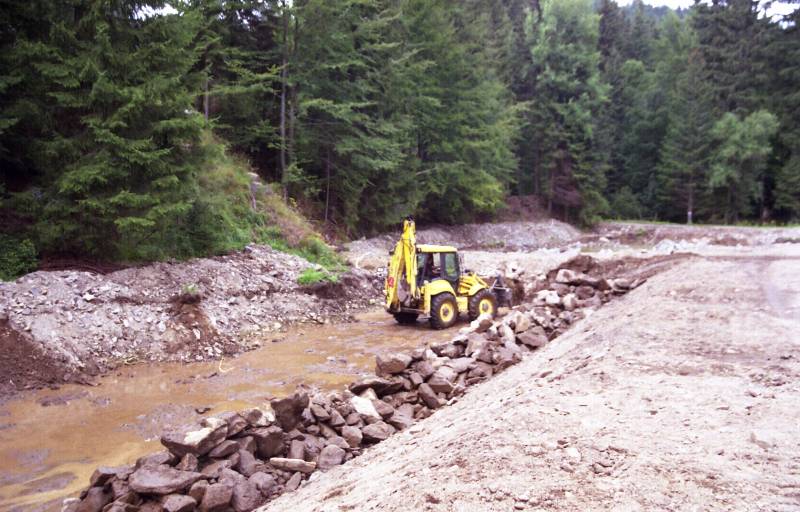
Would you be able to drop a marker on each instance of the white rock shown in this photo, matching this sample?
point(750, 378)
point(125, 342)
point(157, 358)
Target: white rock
point(364, 407)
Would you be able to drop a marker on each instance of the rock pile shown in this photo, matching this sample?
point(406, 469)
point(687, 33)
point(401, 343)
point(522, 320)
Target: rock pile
point(240, 460)
point(76, 323)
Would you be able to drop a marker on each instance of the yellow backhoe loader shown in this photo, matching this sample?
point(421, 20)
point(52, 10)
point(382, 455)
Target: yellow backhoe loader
point(427, 280)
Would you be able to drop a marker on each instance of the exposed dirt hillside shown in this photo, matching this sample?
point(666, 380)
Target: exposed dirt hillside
point(680, 396)
point(65, 325)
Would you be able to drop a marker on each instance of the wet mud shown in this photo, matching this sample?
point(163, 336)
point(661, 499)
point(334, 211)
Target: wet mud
point(51, 440)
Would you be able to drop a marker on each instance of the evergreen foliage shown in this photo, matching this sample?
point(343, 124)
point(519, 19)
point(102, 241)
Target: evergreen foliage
point(117, 119)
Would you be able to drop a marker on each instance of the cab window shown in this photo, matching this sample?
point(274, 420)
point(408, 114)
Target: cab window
point(450, 266)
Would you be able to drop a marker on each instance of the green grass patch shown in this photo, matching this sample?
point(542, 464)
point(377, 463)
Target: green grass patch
point(311, 276)
point(17, 257)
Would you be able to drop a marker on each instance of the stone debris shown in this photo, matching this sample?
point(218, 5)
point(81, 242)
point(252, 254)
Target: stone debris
point(188, 311)
point(239, 461)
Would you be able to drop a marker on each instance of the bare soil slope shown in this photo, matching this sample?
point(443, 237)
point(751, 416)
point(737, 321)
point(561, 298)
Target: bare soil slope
point(680, 396)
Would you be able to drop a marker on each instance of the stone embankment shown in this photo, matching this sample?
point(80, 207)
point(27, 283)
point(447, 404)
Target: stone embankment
point(241, 460)
point(60, 326)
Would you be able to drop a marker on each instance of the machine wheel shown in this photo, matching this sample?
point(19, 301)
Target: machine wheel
point(444, 311)
point(482, 302)
point(406, 318)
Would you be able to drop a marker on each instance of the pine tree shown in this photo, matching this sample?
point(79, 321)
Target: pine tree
point(115, 161)
point(786, 54)
point(568, 95)
point(685, 153)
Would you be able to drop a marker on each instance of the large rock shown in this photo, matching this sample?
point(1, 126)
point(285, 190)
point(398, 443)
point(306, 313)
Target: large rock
point(549, 297)
point(236, 423)
point(320, 412)
point(330, 456)
point(425, 368)
point(94, 501)
point(246, 496)
point(352, 435)
point(450, 350)
point(400, 420)
point(505, 333)
point(297, 449)
point(461, 364)
point(178, 503)
point(189, 462)
point(255, 417)
point(224, 449)
point(442, 381)
point(507, 356)
point(378, 384)
point(522, 322)
point(428, 396)
point(248, 465)
point(217, 497)
point(198, 490)
point(384, 409)
point(567, 276)
point(103, 474)
point(156, 459)
point(570, 302)
point(479, 347)
point(161, 480)
point(533, 338)
point(264, 482)
point(584, 292)
point(289, 410)
point(390, 364)
point(482, 323)
point(196, 442)
point(270, 441)
point(336, 418)
point(364, 407)
point(377, 432)
point(292, 465)
point(214, 469)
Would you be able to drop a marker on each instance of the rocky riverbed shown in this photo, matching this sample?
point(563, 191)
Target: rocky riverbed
point(64, 326)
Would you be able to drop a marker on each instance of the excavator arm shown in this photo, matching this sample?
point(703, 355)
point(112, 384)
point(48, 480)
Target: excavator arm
point(401, 279)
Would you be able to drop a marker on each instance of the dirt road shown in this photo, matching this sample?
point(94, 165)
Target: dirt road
point(681, 396)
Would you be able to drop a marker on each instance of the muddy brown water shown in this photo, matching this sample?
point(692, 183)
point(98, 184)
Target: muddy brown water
point(52, 440)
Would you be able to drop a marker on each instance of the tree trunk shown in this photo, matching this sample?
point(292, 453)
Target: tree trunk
point(292, 100)
point(327, 183)
point(284, 176)
point(205, 100)
point(690, 203)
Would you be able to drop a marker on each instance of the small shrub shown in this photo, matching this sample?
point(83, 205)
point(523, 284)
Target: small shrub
point(311, 276)
point(17, 257)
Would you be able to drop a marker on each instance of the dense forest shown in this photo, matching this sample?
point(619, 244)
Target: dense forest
point(121, 120)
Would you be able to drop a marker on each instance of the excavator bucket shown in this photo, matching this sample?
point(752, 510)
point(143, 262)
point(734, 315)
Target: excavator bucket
point(401, 280)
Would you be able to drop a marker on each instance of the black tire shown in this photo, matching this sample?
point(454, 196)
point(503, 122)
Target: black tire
point(440, 304)
point(406, 318)
point(478, 304)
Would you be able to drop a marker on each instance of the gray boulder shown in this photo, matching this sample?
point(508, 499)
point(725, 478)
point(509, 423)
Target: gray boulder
point(161, 480)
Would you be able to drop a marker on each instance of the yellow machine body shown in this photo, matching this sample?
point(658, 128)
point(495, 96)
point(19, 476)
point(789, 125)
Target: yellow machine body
point(418, 274)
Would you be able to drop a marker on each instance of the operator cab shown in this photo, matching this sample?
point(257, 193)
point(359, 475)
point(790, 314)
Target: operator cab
point(438, 262)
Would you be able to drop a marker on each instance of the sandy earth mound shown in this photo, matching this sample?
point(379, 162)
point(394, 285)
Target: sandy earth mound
point(680, 396)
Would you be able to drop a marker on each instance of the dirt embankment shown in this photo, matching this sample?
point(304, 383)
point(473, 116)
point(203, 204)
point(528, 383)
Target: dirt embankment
point(680, 396)
point(64, 325)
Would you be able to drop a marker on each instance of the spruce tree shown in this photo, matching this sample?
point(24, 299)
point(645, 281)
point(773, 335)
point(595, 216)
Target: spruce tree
point(568, 94)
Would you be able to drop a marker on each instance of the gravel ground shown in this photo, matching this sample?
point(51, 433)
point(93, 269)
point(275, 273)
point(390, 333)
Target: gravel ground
point(680, 396)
